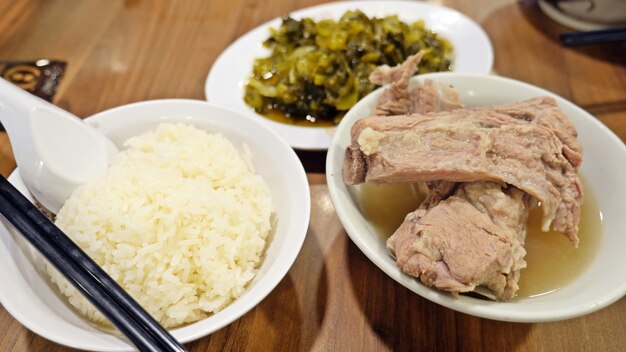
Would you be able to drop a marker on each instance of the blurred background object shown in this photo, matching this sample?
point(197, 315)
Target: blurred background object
point(593, 37)
point(586, 14)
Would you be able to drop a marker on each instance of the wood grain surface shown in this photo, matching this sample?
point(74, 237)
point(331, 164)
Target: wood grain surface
point(333, 298)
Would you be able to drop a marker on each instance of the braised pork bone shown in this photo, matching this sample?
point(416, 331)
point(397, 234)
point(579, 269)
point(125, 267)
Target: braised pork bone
point(474, 237)
point(469, 231)
point(497, 144)
point(399, 99)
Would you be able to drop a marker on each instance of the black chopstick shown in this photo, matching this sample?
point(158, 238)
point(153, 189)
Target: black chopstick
point(82, 272)
point(593, 37)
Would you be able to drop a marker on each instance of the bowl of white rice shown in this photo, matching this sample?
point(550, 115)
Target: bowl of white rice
point(199, 217)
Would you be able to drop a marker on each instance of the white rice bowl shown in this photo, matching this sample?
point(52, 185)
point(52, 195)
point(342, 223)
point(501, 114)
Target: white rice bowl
point(179, 220)
point(28, 294)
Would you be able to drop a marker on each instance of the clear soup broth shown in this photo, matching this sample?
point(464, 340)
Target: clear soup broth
point(552, 261)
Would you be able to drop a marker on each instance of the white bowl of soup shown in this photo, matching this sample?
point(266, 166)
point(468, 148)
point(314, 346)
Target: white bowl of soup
point(560, 281)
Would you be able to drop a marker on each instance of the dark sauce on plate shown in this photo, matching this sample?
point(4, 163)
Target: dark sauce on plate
point(279, 116)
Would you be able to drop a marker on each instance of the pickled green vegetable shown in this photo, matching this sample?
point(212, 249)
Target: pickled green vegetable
point(319, 70)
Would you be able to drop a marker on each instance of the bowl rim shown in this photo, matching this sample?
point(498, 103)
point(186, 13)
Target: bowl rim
point(339, 196)
point(255, 292)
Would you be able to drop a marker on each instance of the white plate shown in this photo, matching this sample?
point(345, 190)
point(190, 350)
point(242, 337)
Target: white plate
point(229, 74)
point(26, 292)
point(603, 167)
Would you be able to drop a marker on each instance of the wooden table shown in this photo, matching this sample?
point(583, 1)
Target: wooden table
point(333, 298)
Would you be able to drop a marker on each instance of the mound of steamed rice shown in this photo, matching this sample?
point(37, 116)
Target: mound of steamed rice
point(180, 220)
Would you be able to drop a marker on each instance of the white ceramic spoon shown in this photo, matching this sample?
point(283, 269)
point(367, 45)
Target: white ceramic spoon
point(55, 151)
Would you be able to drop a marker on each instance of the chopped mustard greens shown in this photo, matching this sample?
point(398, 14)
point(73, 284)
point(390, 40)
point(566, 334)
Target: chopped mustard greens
point(319, 70)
